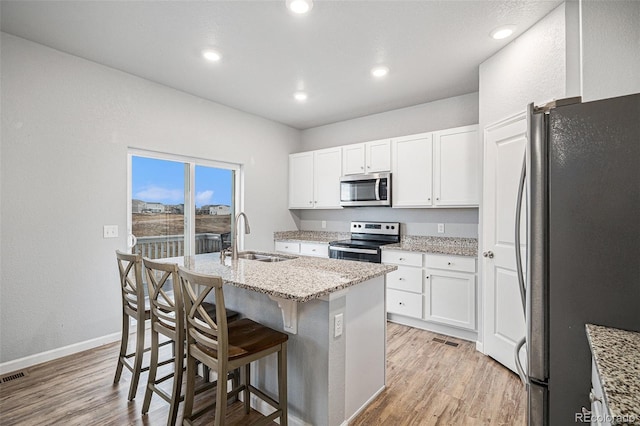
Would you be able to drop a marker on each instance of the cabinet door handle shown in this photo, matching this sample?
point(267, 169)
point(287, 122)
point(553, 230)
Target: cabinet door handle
point(401, 303)
point(449, 263)
point(428, 199)
point(401, 258)
point(437, 198)
point(310, 202)
point(361, 167)
point(427, 277)
point(400, 279)
point(488, 254)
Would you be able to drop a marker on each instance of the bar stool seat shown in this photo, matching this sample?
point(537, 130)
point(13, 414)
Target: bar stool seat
point(225, 347)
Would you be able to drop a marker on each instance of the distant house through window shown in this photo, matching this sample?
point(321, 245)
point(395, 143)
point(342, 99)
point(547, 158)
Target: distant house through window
point(167, 218)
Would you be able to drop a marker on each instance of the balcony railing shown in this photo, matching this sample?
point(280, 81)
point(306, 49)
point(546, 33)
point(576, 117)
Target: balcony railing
point(173, 245)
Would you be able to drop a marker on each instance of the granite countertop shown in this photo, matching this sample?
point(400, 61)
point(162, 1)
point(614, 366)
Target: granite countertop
point(299, 278)
point(438, 245)
point(617, 358)
point(310, 236)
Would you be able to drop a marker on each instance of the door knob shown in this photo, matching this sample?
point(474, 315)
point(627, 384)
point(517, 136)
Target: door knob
point(488, 254)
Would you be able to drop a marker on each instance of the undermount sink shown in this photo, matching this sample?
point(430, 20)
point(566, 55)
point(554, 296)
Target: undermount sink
point(261, 257)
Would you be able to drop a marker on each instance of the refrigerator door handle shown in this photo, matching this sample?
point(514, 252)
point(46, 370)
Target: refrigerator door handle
point(523, 376)
point(521, 283)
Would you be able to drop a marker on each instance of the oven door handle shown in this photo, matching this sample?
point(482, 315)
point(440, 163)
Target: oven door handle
point(377, 189)
point(353, 250)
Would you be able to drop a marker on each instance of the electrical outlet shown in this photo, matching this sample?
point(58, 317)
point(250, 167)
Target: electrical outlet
point(110, 231)
point(338, 325)
point(441, 228)
point(324, 224)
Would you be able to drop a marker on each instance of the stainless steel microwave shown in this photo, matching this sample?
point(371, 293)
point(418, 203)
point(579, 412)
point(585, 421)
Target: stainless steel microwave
point(373, 189)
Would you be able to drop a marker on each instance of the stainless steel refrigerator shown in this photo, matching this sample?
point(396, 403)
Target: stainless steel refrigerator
point(582, 189)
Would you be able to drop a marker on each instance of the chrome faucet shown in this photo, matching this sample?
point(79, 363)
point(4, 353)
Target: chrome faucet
point(234, 253)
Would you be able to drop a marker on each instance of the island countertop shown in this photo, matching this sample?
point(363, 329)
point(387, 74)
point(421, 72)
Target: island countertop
point(617, 358)
point(300, 278)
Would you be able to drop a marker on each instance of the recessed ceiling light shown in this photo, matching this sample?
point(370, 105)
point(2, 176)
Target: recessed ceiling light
point(300, 96)
point(379, 71)
point(299, 6)
point(502, 32)
point(211, 55)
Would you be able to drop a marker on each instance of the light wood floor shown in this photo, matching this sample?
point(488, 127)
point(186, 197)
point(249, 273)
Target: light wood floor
point(428, 383)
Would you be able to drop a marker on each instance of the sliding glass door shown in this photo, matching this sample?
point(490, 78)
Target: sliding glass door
point(180, 206)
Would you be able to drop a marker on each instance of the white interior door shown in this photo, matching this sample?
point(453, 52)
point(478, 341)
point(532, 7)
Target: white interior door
point(504, 324)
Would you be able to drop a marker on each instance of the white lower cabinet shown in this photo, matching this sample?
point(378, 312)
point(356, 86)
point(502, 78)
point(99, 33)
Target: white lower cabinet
point(432, 291)
point(306, 249)
point(599, 411)
point(404, 303)
point(287, 247)
point(314, 249)
point(450, 298)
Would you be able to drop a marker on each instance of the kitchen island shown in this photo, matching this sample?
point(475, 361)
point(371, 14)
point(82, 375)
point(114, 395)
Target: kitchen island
point(334, 311)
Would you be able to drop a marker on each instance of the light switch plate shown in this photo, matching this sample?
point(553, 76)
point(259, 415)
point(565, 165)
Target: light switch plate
point(324, 224)
point(338, 325)
point(110, 231)
point(441, 228)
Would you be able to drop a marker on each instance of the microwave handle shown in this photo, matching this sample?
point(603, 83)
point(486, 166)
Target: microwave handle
point(378, 189)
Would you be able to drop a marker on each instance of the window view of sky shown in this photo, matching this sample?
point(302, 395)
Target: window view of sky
point(162, 181)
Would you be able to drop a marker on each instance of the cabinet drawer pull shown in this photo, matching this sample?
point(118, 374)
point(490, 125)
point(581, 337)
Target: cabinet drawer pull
point(401, 303)
point(400, 279)
point(449, 263)
point(401, 258)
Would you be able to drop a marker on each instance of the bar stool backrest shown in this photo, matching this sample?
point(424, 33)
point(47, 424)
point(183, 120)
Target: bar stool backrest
point(131, 284)
point(165, 296)
point(202, 330)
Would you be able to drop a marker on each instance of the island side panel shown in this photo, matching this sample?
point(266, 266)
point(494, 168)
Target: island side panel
point(365, 328)
point(307, 352)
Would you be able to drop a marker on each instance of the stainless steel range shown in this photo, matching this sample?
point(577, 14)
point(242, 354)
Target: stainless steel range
point(366, 240)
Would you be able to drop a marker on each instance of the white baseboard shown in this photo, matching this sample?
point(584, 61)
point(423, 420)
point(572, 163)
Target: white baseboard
point(364, 406)
point(31, 360)
point(480, 347)
point(459, 333)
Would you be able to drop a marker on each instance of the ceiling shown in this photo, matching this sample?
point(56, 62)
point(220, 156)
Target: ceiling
point(432, 48)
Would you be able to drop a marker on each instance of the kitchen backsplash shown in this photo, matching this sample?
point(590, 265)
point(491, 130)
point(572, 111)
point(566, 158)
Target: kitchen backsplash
point(422, 222)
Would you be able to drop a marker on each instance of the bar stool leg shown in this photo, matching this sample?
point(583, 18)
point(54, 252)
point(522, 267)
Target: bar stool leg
point(137, 365)
point(282, 383)
point(177, 383)
point(189, 393)
point(124, 342)
point(221, 397)
point(153, 369)
point(246, 382)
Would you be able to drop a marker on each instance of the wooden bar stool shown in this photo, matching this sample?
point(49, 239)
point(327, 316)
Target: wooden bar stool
point(133, 306)
point(167, 319)
point(226, 346)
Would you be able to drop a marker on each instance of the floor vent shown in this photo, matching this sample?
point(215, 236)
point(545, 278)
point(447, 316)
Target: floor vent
point(14, 376)
point(446, 342)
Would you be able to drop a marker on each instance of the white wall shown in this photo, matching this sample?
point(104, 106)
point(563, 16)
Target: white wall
point(437, 115)
point(610, 48)
point(66, 126)
point(442, 114)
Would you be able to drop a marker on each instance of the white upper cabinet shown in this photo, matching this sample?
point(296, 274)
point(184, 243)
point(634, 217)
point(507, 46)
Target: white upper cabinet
point(301, 180)
point(411, 171)
point(314, 179)
point(367, 157)
point(327, 169)
point(456, 166)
